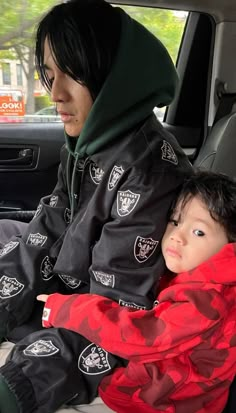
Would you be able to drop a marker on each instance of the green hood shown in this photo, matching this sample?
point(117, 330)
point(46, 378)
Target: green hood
point(142, 76)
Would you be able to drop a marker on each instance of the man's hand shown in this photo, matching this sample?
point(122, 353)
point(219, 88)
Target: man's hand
point(42, 297)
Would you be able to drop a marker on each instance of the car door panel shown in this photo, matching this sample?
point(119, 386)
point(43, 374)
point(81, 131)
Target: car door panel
point(29, 159)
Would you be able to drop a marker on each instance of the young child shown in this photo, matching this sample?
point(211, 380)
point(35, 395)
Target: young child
point(182, 353)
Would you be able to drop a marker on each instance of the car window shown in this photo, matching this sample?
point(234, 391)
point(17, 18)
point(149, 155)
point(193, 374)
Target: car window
point(22, 97)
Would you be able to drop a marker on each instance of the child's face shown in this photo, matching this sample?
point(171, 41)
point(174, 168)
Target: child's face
point(191, 237)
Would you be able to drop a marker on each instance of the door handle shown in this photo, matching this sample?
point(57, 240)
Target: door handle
point(25, 157)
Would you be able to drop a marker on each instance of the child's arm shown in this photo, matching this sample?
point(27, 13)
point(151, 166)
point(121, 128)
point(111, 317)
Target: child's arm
point(167, 330)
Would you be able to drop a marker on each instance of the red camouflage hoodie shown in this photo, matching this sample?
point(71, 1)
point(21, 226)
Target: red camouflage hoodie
point(182, 353)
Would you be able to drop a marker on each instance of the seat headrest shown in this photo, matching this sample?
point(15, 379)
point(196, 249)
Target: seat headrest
point(219, 151)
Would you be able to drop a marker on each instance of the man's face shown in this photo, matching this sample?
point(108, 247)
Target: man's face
point(191, 237)
point(73, 101)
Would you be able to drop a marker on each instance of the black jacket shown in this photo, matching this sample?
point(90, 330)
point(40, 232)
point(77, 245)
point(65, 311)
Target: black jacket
point(112, 245)
point(100, 229)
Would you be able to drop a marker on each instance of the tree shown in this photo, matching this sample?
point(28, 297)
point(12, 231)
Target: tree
point(166, 25)
point(18, 21)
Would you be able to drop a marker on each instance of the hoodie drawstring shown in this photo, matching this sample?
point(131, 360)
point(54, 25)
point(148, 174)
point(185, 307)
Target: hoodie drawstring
point(70, 180)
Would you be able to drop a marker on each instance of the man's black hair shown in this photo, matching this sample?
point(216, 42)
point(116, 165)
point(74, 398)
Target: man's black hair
point(218, 192)
point(83, 36)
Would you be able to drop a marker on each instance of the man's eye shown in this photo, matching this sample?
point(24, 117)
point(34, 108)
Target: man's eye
point(199, 233)
point(51, 81)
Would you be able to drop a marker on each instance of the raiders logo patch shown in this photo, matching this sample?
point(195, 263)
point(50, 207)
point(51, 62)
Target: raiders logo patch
point(93, 360)
point(126, 202)
point(10, 246)
point(168, 153)
point(38, 210)
point(114, 177)
point(67, 215)
point(46, 268)
point(80, 165)
point(105, 279)
point(96, 173)
point(53, 201)
point(10, 287)
point(131, 305)
point(144, 248)
point(71, 282)
point(41, 348)
point(36, 240)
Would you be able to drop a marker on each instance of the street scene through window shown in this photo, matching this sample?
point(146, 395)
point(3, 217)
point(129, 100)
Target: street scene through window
point(22, 97)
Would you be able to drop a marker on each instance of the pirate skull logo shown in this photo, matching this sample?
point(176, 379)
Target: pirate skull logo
point(115, 175)
point(144, 248)
point(41, 348)
point(93, 360)
point(46, 268)
point(10, 287)
point(10, 246)
point(126, 202)
point(96, 173)
point(37, 240)
point(168, 153)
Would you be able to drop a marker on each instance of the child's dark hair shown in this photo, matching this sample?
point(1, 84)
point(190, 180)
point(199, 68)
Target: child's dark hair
point(83, 36)
point(218, 192)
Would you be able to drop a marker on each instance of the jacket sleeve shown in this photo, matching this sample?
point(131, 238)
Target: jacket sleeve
point(26, 267)
point(126, 260)
point(142, 335)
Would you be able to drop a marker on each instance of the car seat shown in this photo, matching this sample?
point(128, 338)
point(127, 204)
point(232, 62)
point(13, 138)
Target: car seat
point(218, 154)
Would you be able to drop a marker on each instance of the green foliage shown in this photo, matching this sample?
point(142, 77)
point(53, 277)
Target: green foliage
point(7, 54)
point(18, 20)
point(42, 102)
point(166, 25)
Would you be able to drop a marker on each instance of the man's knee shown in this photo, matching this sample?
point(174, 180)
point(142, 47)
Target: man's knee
point(9, 228)
point(97, 406)
point(5, 349)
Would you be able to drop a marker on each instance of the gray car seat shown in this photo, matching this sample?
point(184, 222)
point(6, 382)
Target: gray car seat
point(219, 151)
point(219, 155)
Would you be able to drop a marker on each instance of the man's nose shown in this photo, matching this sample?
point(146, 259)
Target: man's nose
point(57, 91)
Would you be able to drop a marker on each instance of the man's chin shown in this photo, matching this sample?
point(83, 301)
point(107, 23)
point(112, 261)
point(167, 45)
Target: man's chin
point(72, 132)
